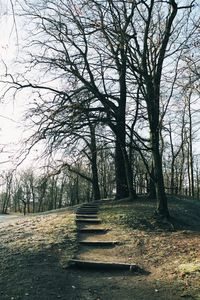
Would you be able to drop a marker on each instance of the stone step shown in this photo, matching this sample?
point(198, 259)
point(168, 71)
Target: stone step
point(94, 221)
point(99, 265)
point(93, 230)
point(98, 243)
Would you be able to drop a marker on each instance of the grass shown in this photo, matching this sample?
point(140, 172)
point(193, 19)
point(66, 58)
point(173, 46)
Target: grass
point(33, 251)
point(170, 251)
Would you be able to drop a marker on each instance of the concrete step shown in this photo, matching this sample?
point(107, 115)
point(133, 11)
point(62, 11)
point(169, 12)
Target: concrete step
point(99, 265)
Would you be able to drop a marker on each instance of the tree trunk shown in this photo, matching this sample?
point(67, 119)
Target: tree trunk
point(61, 193)
point(162, 207)
point(153, 112)
point(124, 175)
point(95, 182)
point(190, 146)
point(153, 108)
point(95, 177)
point(123, 169)
point(120, 173)
point(129, 176)
point(151, 193)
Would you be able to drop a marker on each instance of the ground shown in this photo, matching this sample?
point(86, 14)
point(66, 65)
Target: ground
point(34, 252)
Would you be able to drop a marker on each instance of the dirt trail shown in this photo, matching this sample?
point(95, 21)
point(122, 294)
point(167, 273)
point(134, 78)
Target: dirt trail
point(34, 251)
point(105, 285)
point(8, 218)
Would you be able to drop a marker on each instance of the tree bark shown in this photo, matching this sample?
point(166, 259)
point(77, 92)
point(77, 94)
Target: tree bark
point(162, 206)
point(151, 185)
point(120, 172)
point(95, 177)
point(124, 175)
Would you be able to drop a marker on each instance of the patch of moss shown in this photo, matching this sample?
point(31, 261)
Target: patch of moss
point(190, 268)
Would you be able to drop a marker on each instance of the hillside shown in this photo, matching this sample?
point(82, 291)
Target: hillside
point(34, 251)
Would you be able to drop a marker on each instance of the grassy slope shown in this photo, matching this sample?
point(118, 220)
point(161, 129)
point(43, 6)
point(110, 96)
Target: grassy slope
point(33, 250)
point(170, 252)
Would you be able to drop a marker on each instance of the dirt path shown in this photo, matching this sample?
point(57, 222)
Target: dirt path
point(8, 218)
point(34, 251)
point(106, 285)
point(89, 251)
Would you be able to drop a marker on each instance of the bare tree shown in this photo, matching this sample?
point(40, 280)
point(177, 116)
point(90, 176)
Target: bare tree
point(111, 56)
point(81, 49)
point(160, 25)
point(7, 194)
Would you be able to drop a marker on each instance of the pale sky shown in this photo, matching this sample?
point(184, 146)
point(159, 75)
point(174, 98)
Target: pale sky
point(11, 110)
point(12, 128)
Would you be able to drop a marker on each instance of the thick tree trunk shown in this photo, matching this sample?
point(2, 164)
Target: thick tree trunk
point(95, 177)
point(151, 193)
point(162, 206)
point(124, 176)
point(129, 176)
point(95, 181)
point(153, 108)
point(153, 112)
point(122, 190)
